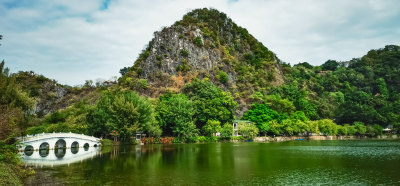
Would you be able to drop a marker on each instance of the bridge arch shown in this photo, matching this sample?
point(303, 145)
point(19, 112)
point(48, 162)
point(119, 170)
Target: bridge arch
point(28, 150)
point(44, 152)
point(75, 144)
point(60, 152)
point(86, 146)
point(44, 146)
point(60, 144)
point(74, 150)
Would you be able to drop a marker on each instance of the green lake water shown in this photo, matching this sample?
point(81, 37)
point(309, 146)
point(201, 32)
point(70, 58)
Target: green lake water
point(365, 162)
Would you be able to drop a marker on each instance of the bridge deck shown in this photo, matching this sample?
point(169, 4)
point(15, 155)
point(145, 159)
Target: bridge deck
point(42, 136)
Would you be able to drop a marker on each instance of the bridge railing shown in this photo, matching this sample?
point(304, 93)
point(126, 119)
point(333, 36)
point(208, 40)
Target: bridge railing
point(61, 134)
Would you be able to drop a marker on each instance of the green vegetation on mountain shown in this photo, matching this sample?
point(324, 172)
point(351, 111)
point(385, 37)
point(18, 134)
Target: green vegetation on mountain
point(14, 104)
point(209, 45)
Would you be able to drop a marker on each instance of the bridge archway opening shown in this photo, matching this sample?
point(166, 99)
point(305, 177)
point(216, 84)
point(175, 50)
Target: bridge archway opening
point(75, 144)
point(86, 146)
point(60, 152)
point(74, 150)
point(95, 145)
point(60, 144)
point(28, 150)
point(44, 146)
point(75, 147)
point(44, 152)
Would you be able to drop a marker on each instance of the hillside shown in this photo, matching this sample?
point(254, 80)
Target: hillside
point(365, 89)
point(204, 44)
point(51, 96)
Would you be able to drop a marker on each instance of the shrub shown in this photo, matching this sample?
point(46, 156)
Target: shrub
point(222, 77)
point(351, 130)
point(201, 139)
point(167, 140)
point(327, 127)
point(342, 130)
point(361, 129)
point(248, 131)
point(36, 130)
point(214, 139)
point(211, 127)
point(184, 67)
point(226, 131)
point(198, 41)
point(7, 152)
point(184, 53)
point(239, 138)
point(177, 140)
point(106, 142)
point(374, 130)
point(143, 83)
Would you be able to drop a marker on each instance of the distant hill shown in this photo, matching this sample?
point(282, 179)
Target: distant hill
point(51, 96)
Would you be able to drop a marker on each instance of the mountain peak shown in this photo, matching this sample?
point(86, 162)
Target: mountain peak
point(206, 43)
point(205, 15)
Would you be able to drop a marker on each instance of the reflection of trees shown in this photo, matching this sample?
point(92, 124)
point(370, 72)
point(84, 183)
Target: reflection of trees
point(117, 162)
point(149, 164)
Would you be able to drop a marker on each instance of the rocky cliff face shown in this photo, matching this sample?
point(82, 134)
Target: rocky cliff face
point(171, 49)
point(204, 44)
point(51, 96)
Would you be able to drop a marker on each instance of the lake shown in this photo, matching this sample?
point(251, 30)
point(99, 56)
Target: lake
point(355, 162)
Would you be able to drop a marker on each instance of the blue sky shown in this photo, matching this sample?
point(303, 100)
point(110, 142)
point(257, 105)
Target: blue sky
point(73, 40)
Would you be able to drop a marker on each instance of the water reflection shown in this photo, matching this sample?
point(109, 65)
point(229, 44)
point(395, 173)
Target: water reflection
point(286, 163)
point(60, 152)
point(75, 150)
point(29, 152)
point(59, 156)
point(44, 152)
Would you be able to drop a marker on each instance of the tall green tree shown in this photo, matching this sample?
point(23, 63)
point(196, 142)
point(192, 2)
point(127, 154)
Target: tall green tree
point(210, 102)
point(175, 114)
point(278, 104)
point(261, 115)
point(125, 112)
point(330, 65)
point(248, 131)
point(211, 127)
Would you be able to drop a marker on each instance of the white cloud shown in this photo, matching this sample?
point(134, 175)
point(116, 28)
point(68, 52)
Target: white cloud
point(72, 41)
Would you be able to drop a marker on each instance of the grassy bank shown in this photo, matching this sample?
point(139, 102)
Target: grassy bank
point(13, 174)
point(9, 174)
point(11, 171)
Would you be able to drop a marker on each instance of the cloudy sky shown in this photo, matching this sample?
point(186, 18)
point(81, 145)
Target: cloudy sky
point(74, 40)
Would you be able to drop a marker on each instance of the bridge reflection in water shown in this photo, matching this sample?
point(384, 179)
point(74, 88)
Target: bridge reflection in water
point(58, 156)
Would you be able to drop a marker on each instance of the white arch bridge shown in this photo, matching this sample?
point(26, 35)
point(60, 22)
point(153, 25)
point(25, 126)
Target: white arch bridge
point(57, 140)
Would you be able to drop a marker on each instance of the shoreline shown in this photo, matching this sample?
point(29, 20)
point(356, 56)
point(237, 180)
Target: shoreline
point(267, 139)
point(264, 139)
